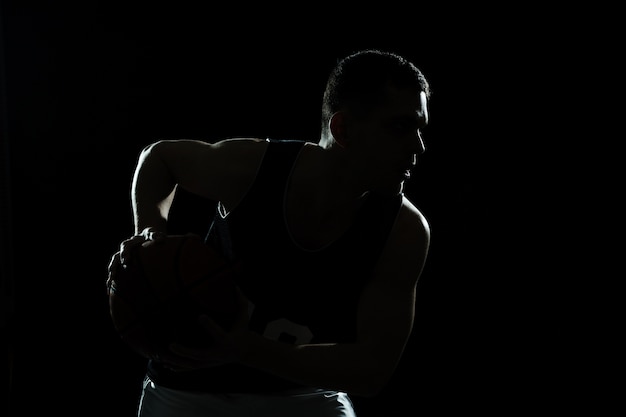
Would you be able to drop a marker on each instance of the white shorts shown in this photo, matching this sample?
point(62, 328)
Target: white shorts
point(158, 401)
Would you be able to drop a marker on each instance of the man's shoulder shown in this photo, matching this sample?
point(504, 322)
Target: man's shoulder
point(412, 219)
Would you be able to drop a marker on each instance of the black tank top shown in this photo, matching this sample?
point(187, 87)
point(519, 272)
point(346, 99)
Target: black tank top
point(298, 295)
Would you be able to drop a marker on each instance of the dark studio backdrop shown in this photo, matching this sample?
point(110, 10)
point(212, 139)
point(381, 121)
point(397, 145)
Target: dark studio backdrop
point(86, 85)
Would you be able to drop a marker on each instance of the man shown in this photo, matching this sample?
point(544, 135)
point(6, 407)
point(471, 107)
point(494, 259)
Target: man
point(330, 250)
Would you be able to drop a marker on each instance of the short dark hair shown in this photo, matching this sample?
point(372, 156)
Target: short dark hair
point(359, 81)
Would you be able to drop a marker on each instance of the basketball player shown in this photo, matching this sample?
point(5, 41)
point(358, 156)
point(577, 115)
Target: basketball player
point(330, 247)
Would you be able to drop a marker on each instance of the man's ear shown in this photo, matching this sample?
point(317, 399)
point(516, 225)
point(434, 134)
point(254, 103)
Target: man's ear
point(338, 128)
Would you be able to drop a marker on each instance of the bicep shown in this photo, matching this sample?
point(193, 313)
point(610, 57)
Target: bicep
point(386, 314)
point(220, 172)
point(217, 171)
point(188, 163)
point(387, 305)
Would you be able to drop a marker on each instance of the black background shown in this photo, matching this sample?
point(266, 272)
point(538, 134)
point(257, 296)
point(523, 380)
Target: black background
point(87, 84)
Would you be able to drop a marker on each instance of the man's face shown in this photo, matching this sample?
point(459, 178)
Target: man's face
point(390, 140)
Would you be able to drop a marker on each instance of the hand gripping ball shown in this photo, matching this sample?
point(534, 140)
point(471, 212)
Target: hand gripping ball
point(157, 297)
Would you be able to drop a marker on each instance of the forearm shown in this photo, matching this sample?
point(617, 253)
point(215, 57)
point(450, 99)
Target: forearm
point(343, 367)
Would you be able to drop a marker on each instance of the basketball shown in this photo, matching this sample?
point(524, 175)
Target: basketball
point(156, 298)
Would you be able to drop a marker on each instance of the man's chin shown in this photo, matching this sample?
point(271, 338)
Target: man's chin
point(389, 190)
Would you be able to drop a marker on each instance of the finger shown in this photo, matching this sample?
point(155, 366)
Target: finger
point(186, 356)
point(112, 270)
point(150, 233)
point(243, 308)
point(125, 250)
point(180, 364)
point(211, 327)
point(127, 246)
point(114, 262)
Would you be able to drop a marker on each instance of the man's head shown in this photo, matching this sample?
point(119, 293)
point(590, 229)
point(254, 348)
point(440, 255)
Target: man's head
point(361, 82)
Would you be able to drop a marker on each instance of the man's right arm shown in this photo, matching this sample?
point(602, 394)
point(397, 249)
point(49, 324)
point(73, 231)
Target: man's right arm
point(220, 171)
